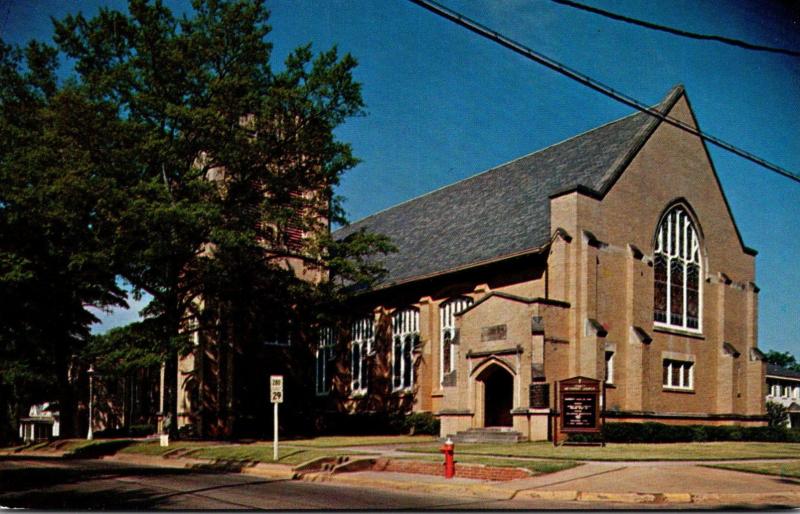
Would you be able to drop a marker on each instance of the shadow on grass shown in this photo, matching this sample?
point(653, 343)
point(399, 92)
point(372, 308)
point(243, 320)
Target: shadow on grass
point(99, 449)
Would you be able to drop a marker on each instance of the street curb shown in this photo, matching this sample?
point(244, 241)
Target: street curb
point(772, 497)
point(39, 455)
point(268, 471)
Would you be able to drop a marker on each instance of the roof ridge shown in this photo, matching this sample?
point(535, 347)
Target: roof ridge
point(465, 179)
point(663, 107)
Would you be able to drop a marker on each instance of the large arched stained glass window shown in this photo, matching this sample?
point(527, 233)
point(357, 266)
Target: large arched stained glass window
point(677, 267)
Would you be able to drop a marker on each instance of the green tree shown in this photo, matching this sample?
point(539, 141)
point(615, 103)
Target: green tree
point(783, 359)
point(194, 166)
point(777, 414)
point(54, 253)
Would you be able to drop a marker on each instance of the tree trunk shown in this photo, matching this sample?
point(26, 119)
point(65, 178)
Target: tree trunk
point(67, 406)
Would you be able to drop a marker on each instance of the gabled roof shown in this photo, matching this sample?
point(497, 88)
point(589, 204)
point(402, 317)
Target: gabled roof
point(774, 370)
point(504, 211)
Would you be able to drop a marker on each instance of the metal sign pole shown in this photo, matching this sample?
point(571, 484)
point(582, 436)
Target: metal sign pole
point(276, 397)
point(275, 433)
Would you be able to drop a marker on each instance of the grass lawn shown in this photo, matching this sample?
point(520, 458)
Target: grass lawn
point(615, 452)
point(263, 453)
point(155, 448)
point(781, 469)
point(539, 467)
point(363, 440)
point(255, 452)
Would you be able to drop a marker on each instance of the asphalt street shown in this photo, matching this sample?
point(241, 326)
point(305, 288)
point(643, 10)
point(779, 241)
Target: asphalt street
point(103, 485)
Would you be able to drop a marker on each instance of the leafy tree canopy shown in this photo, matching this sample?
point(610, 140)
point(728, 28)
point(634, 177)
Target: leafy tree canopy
point(783, 359)
point(178, 158)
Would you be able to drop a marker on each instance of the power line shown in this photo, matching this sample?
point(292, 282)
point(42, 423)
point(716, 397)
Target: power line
point(594, 84)
point(678, 32)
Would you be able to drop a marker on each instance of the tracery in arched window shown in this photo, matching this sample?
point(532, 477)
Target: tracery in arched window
point(676, 272)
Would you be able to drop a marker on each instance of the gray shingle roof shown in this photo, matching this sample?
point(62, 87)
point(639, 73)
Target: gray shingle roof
point(505, 210)
point(779, 371)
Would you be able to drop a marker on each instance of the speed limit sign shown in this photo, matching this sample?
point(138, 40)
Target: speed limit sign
point(276, 388)
point(276, 397)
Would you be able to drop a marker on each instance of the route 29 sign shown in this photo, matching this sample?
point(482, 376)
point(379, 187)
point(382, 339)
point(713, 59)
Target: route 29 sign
point(276, 388)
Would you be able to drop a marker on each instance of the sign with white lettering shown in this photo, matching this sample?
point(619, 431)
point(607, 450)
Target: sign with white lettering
point(580, 404)
point(276, 388)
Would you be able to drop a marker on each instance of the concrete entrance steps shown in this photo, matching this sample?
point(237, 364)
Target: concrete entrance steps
point(488, 435)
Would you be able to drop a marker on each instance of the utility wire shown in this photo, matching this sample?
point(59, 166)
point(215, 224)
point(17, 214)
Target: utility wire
point(678, 32)
point(594, 84)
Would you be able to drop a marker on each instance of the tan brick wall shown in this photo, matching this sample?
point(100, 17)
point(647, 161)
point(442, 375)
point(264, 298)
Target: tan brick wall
point(608, 284)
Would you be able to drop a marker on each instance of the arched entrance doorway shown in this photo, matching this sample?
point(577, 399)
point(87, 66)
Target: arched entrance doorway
point(498, 396)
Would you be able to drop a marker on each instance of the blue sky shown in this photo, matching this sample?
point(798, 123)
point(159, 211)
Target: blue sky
point(443, 104)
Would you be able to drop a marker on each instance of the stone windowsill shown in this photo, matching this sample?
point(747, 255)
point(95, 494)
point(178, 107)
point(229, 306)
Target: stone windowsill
point(677, 390)
point(678, 332)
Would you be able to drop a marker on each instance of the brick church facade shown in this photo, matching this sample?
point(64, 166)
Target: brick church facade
point(612, 255)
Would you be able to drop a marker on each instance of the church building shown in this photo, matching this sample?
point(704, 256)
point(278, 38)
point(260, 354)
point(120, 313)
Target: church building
point(612, 255)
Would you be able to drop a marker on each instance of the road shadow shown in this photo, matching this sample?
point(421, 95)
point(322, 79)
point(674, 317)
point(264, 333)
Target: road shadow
point(113, 498)
point(90, 485)
point(17, 479)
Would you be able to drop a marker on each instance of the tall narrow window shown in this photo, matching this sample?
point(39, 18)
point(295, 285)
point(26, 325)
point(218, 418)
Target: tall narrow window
point(405, 330)
point(447, 313)
point(609, 367)
point(323, 361)
point(360, 346)
point(677, 270)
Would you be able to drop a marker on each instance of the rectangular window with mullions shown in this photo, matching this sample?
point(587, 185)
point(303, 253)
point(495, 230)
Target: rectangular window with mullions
point(678, 374)
point(405, 331)
point(362, 339)
point(324, 360)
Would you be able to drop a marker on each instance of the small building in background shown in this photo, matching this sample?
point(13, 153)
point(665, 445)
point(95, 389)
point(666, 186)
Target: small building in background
point(41, 424)
point(783, 387)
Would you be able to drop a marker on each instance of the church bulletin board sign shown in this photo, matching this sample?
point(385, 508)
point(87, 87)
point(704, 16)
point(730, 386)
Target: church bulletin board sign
point(579, 405)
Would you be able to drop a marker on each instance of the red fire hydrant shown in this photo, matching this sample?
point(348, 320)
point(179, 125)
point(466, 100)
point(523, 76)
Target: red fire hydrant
point(449, 464)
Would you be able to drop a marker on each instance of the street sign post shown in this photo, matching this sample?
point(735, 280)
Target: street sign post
point(276, 397)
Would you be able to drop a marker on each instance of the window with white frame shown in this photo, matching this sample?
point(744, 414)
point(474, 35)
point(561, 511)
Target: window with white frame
point(678, 374)
point(362, 333)
point(677, 268)
point(609, 367)
point(323, 360)
point(405, 331)
point(447, 321)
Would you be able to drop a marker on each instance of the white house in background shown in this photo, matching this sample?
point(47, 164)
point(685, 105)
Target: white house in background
point(42, 423)
point(783, 386)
